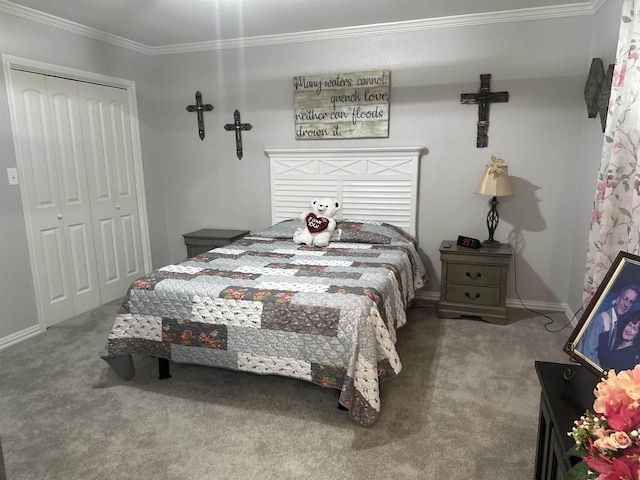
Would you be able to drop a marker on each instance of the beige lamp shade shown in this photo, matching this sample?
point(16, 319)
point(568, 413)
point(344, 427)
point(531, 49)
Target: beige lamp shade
point(494, 182)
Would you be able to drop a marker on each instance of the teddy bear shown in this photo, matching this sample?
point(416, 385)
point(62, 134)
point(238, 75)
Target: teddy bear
point(319, 223)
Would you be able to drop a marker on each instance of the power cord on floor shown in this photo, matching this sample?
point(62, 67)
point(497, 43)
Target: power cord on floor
point(551, 320)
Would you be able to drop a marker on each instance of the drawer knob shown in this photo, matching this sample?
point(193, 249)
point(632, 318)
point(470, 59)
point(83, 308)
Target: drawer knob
point(477, 295)
point(473, 277)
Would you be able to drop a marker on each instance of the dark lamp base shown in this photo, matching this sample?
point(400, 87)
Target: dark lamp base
point(491, 244)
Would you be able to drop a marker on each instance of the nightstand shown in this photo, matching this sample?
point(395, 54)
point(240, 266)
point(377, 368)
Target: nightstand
point(209, 238)
point(474, 282)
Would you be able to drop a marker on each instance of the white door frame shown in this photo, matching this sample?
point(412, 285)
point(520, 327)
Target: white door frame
point(10, 63)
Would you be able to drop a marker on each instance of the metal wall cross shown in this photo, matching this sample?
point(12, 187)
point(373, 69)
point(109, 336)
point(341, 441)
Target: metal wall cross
point(237, 127)
point(199, 108)
point(483, 98)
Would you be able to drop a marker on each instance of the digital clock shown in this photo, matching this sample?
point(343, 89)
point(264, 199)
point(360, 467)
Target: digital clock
point(468, 242)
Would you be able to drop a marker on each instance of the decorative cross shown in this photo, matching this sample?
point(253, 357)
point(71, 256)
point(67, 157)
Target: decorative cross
point(483, 98)
point(237, 127)
point(199, 108)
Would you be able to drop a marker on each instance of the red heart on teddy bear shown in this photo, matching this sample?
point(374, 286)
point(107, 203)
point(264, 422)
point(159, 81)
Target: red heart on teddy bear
point(316, 224)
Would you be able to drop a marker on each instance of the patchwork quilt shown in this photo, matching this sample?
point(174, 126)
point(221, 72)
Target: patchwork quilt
point(269, 306)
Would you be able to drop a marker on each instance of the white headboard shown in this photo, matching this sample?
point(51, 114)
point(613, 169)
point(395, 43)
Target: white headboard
point(370, 183)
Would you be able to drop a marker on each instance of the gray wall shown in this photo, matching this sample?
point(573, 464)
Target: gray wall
point(542, 63)
point(542, 133)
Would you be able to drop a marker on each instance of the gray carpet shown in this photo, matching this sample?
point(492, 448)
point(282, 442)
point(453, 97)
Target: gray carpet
point(464, 407)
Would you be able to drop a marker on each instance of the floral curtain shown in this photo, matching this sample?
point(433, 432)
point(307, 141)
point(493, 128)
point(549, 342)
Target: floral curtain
point(615, 220)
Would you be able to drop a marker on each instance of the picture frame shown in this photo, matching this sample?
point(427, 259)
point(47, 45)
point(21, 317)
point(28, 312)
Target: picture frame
point(593, 343)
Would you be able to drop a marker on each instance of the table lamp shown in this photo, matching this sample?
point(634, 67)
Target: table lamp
point(495, 183)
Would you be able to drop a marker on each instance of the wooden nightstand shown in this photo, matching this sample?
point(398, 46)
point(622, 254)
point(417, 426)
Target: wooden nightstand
point(208, 238)
point(474, 282)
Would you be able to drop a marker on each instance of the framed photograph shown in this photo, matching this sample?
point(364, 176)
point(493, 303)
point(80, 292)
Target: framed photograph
point(608, 333)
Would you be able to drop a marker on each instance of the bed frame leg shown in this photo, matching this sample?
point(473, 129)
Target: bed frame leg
point(163, 368)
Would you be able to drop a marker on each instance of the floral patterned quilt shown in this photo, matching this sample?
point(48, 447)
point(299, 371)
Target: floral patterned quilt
point(267, 305)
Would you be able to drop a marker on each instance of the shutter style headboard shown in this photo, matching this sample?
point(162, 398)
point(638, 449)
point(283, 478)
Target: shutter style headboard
point(370, 183)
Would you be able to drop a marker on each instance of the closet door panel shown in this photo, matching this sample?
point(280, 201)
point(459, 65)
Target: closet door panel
point(107, 133)
point(84, 257)
point(109, 250)
point(66, 136)
point(102, 205)
point(125, 185)
point(39, 181)
point(55, 267)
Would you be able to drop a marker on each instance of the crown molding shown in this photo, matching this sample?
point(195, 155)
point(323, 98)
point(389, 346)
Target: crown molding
point(538, 13)
point(72, 27)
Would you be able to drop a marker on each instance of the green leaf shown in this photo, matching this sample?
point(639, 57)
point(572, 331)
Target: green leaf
point(578, 472)
point(576, 451)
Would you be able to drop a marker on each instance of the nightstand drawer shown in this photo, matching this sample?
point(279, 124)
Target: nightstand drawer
point(473, 295)
point(474, 274)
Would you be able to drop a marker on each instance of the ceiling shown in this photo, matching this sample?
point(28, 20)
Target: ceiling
point(159, 23)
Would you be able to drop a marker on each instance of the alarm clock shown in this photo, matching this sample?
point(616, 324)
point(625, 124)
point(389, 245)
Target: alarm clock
point(468, 242)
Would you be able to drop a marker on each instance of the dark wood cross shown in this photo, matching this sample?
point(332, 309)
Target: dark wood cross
point(237, 127)
point(199, 108)
point(483, 98)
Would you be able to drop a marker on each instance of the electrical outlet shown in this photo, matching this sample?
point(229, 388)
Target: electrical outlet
point(12, 175)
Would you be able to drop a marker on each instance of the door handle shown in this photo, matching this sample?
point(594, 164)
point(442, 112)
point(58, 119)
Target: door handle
point(59, 216)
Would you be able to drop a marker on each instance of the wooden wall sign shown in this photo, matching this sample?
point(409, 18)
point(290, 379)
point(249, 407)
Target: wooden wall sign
point(344, 105)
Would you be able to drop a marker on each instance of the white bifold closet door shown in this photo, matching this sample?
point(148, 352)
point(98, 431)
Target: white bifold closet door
point(75, 152)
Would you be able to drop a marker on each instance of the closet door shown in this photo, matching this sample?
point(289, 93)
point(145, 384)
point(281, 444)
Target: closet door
point(55, 183)
point(108, 150)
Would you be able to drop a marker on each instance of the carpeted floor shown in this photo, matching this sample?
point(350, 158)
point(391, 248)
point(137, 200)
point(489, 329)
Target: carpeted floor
point(464, 407)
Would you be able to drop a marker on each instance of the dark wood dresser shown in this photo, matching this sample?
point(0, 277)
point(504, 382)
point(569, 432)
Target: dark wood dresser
point(567, 392)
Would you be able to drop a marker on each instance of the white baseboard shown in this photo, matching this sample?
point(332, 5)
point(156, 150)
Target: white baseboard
point(427, 296)
point(514, 303)
point(19, 336)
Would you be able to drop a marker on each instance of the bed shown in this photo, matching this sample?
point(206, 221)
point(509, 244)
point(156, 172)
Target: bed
point(269, 306)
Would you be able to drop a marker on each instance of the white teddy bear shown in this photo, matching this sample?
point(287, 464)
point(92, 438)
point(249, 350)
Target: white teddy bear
point(319, 223)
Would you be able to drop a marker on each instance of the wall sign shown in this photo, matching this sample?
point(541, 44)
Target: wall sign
point(343, 105)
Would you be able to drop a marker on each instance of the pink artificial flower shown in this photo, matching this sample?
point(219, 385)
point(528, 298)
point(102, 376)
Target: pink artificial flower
point(622, 470)
point(615, 441)
point(599, 432)
point(601, 464)
point(621, 440)
point(627, 466)
point(622, 389)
